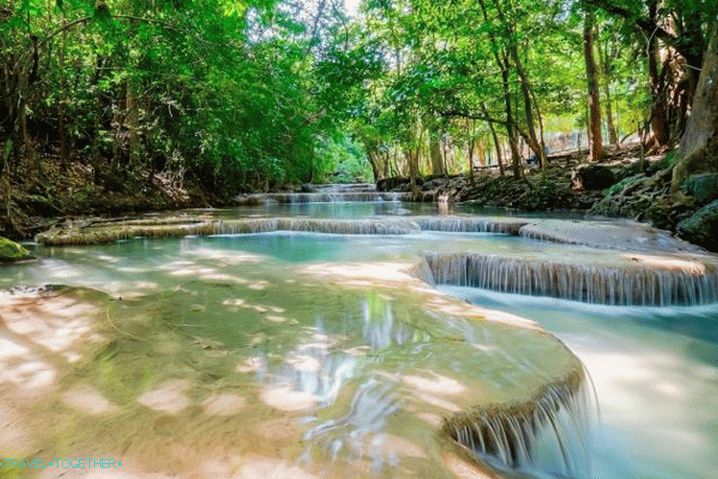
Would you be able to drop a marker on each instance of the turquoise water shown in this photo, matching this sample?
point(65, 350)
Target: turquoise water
point(655, 369)
point(656, 376)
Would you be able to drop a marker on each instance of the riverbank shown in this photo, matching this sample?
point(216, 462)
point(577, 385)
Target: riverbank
point(624, 185)
point(41, 194)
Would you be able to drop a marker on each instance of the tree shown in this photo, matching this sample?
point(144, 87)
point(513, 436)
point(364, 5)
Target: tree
point(698, 151)
point(592, 84)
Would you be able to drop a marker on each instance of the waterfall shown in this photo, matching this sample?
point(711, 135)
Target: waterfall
point(615, 284)
point(340, 188)
point(469, 224)
point(325, 197)
point(391, 226)
point(556, 421)
point(164, 228)
point(386, 226)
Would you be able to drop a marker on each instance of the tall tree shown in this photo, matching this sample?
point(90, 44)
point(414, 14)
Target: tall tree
point(592, 84)
point(698, 151)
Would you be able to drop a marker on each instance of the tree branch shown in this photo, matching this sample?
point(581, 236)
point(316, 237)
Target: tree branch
point(646, 25)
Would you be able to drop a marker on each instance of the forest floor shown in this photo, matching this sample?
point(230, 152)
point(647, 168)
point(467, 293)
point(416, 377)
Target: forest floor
point(47, 192)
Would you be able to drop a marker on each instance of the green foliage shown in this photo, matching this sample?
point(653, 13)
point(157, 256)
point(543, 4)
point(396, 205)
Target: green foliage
point(228, 92)
point(342, 160)
point(257, 93)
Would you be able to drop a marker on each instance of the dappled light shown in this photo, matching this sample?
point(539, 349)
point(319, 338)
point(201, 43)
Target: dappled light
point(169, 397)
point(224, 404)
point(87, 400)
point(284, 239)
point(284, 398)
point(435, 384)
point(338, 351)
point(255, 467)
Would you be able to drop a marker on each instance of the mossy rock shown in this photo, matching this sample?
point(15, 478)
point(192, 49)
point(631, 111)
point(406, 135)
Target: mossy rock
point(703, 188)
point(593, 177)
point(702, 227)
point(11, 251)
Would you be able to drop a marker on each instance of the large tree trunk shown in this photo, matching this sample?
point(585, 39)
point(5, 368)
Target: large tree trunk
point(375, 163)
point(437, 160)
point(660, 125)
point(698, 151)
point(595, 151)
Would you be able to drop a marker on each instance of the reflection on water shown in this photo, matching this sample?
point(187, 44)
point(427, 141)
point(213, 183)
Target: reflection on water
point(222, 349)
point(221, 346)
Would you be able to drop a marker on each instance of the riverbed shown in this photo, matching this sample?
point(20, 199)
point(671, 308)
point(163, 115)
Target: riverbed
point(306, 354)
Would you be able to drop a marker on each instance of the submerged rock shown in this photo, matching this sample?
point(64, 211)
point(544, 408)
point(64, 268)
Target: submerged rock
point(702, 227)
point(620, 235)
point(11, 252)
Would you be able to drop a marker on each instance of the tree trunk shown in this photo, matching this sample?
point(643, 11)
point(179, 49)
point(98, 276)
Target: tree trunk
point(375, 167)
point(412, 160)
point(531, 137)
point(503, 63)
point(510, 127)
point(497, 146)
point(437, 160)
point(659, 110)
point(698, 151)
point(132, 115)
point(595, 151)
point(471, 159)
point(63, 100)
point(604, 66)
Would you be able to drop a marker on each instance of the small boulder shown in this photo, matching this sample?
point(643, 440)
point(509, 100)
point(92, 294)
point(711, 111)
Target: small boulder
point(703, 188)
point(592, 177)
point(702, 227)
point(11, 252)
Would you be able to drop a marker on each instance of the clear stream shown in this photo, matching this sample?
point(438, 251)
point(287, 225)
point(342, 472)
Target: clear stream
point(239, 316)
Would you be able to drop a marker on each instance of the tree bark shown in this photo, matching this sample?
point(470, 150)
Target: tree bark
point(375, 166)
point(594, 106)
point(437, 160)
point(497, 145)
point(503, 64)
point(659, 110)
point(698, 151)
point(604, 66)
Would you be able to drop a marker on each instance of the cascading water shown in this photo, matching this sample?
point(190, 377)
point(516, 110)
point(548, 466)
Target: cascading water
point(630, 283)
point(361, 400)
point(550, 434)
point(328, 194)
point(460, 224)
